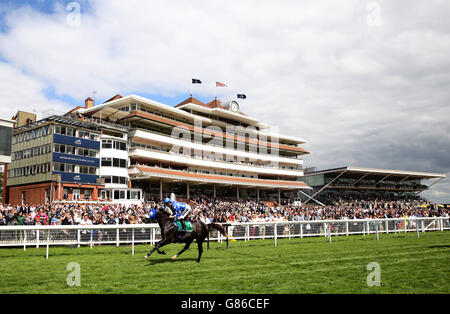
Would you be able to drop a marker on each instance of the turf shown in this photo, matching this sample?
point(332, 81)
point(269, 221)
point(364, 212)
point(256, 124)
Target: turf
point(309, 265)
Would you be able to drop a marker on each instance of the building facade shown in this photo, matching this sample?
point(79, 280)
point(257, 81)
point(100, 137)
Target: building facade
point(131, 148)
point(197, 148)
point(54, 159)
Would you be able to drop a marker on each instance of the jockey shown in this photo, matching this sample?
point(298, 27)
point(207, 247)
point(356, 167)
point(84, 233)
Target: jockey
point(177, 210)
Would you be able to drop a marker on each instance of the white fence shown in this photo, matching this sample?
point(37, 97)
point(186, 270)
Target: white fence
point(76, 235)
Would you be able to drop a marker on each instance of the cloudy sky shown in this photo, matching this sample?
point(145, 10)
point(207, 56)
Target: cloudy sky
point(366, 83)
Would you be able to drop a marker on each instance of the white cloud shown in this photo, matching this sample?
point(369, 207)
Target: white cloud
point(315, 70)
point(22, 92)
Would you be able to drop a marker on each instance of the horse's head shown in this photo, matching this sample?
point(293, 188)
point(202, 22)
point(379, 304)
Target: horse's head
point(150, 216)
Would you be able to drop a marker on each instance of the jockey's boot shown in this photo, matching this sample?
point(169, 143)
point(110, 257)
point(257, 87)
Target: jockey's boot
point(183, 226)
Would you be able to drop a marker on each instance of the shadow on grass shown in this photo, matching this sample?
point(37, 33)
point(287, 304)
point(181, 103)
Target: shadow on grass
point(169, 260)
point(439, 246)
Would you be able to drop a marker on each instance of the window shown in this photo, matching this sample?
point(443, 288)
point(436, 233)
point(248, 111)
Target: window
point(116, 162)
point(76, 194)
point(70, 131)
point(106, 162)
point(83, 152)
point(70, 150)
point(134, 195)
point(87, 194)
point(27, 153)
point(70, 168)
point(107, 179)
point(123, 163)
point(57, 166)
point(106, 144)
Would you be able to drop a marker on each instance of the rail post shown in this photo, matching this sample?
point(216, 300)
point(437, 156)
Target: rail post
point(301, 230)
point(417, 228)
point(24, 240)
point(329, 231)
point(404, 222)
point(376, 230)
point(78, 237)
point(37, 239)
point(117, 237)
point(132, 242)
point(387, 226)
point(423, 226)
point(152, 237)
point(346, 228)
point(275, 233)
point(48, 243)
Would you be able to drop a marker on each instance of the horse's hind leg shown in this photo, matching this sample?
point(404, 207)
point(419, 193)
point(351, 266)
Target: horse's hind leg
point(200, 249)
point(188, 244)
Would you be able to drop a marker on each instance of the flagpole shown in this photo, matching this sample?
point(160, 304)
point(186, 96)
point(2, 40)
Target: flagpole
point(215, 91)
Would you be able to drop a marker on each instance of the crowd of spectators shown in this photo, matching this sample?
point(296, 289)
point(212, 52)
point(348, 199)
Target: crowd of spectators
point(215, 210)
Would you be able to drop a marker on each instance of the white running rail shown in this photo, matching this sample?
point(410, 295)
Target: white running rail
point(78, 235)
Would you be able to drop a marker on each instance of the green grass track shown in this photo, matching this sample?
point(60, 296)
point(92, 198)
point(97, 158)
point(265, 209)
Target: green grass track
point(308, 265)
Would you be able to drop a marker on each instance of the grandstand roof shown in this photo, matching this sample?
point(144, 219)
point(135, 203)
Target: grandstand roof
point(369, 179)
point(374, 171)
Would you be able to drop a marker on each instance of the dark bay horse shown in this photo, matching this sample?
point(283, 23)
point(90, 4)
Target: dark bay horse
point(169, 234)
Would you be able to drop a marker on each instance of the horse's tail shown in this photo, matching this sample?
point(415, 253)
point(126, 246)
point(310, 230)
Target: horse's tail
point(221, 228)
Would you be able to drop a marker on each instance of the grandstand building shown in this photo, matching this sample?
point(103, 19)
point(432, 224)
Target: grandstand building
point(362, 183)
point(53, 159)
point(132, 148)
point(67, 158)
point(203, 148)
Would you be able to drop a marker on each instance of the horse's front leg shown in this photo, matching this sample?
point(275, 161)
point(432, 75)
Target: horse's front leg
point(156, 248)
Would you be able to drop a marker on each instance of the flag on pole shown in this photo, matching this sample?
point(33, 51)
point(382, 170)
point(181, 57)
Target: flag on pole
point(241, 96)
point(196, 81)
point(218, 84)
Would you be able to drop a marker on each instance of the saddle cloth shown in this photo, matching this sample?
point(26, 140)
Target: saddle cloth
point(188, 225)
